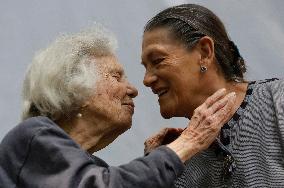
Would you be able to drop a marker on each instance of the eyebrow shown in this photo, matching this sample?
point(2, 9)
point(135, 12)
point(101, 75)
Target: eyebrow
point(151, 52)
point(119, 70)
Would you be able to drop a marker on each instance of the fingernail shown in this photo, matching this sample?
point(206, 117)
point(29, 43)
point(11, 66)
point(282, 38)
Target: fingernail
point(232, 94)
point(222, 90)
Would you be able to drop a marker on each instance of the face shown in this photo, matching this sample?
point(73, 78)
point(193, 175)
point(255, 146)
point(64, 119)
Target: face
point(172, 72)
point(112, 101)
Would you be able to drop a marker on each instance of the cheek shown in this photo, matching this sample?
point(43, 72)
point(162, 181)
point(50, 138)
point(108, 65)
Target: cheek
point(116, 92)
point(183, 89)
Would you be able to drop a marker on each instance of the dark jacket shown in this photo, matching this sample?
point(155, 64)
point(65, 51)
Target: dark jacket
point(38, 153)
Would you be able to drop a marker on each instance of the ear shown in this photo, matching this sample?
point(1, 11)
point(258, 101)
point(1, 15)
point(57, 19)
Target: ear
point(206, 48)
point(85, 104)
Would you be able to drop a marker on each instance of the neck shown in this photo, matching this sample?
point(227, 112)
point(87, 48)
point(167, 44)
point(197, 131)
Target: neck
point(239, 88)
point(90, 135)
point(219, 82)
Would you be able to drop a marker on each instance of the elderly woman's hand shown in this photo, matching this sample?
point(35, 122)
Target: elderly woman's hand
point(163, 137)
point(202, 130)
point(205, 125)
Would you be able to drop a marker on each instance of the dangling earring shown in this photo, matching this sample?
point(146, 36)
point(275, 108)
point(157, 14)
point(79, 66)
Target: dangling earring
point(203, 69)
point(79, 115)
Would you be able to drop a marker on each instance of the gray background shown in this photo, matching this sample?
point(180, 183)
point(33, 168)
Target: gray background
point(256, 26)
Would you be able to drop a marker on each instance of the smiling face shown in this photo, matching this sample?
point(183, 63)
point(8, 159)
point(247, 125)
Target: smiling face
point(172, 72)
point(112, 101)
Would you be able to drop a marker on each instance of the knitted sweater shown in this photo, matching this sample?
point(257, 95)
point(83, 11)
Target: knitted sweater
point(255, 139)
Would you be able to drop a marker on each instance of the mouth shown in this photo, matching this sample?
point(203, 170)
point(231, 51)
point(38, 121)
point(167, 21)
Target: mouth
point(160, 92)
point(129, 105)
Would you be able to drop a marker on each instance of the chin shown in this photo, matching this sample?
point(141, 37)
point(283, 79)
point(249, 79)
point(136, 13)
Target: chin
point(169, 113)
point(168, 109)
point(126, 124)
point(121, 128)
point(166, 114)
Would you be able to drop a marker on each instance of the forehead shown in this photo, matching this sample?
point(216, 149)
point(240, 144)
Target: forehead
point(158, 35)
point(158, 39)
point(108, 64)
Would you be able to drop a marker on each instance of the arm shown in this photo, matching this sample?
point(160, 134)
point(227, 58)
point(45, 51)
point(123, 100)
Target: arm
point(55, 160)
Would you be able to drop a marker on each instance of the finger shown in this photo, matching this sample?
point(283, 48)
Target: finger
point(215, 97)
point(157, 138)
point(219, 104)
point(180, 130)
point(170, 137)
point(175, 130)
point(164, 136)
point(201, 113)
point(222, 115)
point(159, 134)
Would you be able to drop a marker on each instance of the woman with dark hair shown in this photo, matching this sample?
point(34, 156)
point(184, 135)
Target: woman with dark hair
point(188, 55)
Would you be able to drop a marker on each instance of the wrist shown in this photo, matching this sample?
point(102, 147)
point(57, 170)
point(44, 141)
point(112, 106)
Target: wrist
point(183, 148)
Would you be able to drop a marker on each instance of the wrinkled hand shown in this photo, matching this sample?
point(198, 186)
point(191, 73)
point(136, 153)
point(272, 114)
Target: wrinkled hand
point(163, 137)
point(205, 125)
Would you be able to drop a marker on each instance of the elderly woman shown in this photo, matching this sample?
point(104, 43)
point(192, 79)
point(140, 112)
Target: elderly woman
point(77, 101)
point(188, 55)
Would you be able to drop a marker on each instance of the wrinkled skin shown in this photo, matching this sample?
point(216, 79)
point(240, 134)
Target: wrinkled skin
point(173, 72)
point(163, 137)
point(201, 131)
point(113, 99)
point(108, 112)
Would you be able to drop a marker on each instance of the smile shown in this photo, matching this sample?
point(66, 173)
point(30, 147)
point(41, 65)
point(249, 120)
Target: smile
point(162, 92)
point(129, 105)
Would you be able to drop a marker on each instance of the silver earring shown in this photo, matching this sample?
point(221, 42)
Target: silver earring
point(203, 69)
point(79, 115)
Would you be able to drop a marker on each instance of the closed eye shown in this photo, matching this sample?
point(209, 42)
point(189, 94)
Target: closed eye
point(117, 76)
point(157, 61)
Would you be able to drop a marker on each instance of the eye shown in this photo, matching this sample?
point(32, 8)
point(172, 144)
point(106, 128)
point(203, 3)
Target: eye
point(117, 76)
point(157, 60)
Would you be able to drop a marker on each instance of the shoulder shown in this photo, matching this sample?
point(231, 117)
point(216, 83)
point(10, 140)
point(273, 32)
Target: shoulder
point(16, 145)
point(272, 87)
point(27, 129)
point(268, 95)
point(267, 82)
point(263, 96)
point(36, 133)
point(18, 141)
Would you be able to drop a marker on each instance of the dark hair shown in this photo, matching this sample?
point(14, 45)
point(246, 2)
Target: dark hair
point(189, 22)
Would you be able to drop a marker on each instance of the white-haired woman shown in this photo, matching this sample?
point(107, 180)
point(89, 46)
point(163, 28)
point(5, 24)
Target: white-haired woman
point(76, 101)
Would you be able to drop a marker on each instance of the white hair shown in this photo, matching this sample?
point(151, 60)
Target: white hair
point(61, 76)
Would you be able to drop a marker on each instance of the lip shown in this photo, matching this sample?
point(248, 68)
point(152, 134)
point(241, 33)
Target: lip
point(129, 103)
point(160, 91)
point(130, 106)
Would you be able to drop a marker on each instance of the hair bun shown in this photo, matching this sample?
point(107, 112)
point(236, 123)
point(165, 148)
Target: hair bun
point(238, 61)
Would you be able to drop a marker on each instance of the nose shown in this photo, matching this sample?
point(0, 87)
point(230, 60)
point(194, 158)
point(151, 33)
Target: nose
point(149, 78)
point(131, 91)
